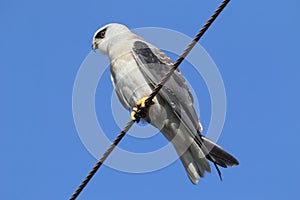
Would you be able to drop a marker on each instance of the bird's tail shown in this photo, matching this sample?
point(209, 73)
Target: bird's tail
point(195, 158)
point(218, 155)
point(195, 163)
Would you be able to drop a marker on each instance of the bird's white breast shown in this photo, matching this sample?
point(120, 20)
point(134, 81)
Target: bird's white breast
point(128, 81)
point(130, 84)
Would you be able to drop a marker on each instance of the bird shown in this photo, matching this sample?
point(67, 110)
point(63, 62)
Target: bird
point(136, 66)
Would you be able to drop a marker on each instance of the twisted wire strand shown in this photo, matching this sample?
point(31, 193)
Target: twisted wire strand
point(150, 97)
point(101, 160)
point(187, 50)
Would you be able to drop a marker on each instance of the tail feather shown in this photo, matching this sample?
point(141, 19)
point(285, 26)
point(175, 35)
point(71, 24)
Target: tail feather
point(195, 159)
point(191, 167)
point(199, 157)
point(220, 156)
point(195, 163)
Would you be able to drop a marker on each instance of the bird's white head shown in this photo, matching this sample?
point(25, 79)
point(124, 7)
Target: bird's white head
point(103, 36)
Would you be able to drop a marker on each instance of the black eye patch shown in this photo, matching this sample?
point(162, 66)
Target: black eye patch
point(101, 34)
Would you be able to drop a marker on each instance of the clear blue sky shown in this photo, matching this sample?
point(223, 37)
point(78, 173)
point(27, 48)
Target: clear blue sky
point(255, 45)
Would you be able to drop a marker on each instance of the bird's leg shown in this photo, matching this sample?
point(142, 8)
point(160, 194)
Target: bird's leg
point(141, 109)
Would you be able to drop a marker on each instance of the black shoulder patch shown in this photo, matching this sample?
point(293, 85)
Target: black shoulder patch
point(143, 51)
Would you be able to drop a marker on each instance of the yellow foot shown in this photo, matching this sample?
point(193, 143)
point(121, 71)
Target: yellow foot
point(133, 114)
point(142, 102)
point(141, 109)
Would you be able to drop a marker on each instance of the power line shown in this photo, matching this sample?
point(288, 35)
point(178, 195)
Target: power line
point(188, 49)
point(150, 98)
point(102, 159)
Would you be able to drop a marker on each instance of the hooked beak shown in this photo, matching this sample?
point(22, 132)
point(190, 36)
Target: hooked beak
point(94, 46)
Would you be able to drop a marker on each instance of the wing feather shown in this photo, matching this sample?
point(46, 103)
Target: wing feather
point(154, 64)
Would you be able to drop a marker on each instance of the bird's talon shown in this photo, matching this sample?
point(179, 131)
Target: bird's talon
point(133, 114)
point(141, 109)
point(142, 102)
point(152, 101)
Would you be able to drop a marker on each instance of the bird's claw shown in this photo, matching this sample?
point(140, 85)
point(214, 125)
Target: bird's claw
point(133, 114)
point(143, 102)
point(141, 109)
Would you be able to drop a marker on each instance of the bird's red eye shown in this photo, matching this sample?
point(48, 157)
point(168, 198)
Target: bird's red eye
point(100, 34)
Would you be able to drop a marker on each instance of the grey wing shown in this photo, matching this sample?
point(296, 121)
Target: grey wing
point(154, 64)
